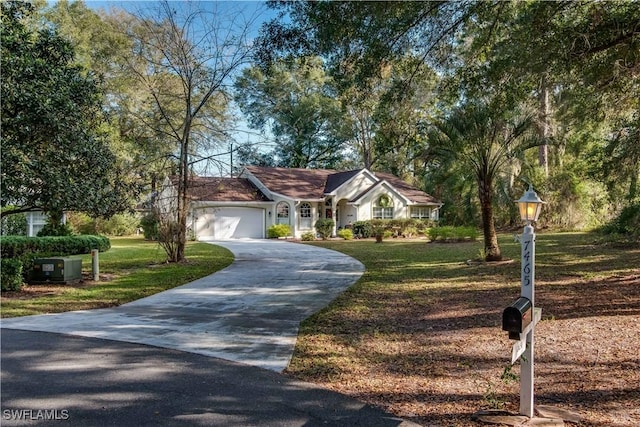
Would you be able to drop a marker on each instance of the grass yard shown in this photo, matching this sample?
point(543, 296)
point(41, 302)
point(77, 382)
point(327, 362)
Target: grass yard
point(420, 333)
point(132, 269)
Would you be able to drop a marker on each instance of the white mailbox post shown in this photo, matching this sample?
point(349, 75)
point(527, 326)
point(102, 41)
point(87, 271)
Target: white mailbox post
point(529, 206)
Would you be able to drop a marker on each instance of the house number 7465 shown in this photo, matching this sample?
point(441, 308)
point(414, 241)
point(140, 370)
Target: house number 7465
point(526, 268)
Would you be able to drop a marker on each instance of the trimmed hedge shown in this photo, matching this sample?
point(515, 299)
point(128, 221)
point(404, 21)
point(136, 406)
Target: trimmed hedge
point(17, 247)
point(10, 274)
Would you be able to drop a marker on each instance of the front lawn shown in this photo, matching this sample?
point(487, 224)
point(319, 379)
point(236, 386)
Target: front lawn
point(420, 333)
point(133, 268)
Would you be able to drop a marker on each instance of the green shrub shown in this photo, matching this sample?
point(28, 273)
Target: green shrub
point(10, 274)
point(346, 234)
point(53, 229)
point(81, 223)
point(118, 225)
point(14, 225)
point(308, 237)
point(324, 227)
point(409, 231)
point(18, 246)
point(627, 223)
point(149, 224)
point(362, 229)
point(279, 230)
point(379, 226)
point(452, 234)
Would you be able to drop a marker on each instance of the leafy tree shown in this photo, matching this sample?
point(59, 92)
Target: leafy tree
point(485, 140)
point(103, 48)
point(13, 225)
point(578, 58)
point(55, 155)
point(576, 61)
point(403, 115)
point(297, 102)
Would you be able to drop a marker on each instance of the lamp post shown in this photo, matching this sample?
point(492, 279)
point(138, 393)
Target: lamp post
point(529, 206)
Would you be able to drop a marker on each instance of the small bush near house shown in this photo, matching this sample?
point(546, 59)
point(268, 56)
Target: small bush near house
point(346, 234)
point(279, 230)
point(452, 234)
point(11, 275)
point(362, 229)
point(308, 237)
point(324, 227)
point(409, 231)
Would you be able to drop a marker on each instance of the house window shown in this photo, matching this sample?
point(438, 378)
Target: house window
point(282, 210)
point(383, 207)
point(421, 212)
point(305, 216)
point(35, 222)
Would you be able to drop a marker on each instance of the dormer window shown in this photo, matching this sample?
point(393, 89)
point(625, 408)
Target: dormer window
point(383, 207)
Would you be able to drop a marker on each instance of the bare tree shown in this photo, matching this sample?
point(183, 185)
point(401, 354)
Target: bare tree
point(185, 57)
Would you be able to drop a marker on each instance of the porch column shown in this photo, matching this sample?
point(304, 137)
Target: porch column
point(334, 213)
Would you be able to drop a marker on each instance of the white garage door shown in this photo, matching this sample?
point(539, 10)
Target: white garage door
point(238, 223)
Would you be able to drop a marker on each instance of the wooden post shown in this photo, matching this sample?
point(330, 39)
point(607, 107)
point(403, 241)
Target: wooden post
point(95, 265)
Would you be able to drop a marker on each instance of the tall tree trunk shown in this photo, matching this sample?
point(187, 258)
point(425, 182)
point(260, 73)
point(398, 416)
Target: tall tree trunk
point(183, 199)
point(485, 193)
point(544, 126)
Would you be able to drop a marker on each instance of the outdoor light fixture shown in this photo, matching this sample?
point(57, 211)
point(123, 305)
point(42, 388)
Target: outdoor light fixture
point(529, 205)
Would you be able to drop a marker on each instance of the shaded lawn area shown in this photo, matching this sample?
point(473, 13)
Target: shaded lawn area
point(132, 269)
point(420, 333)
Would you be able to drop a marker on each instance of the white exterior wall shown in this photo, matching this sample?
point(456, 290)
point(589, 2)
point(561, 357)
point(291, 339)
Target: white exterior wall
point(365, 209)
point(357, 185)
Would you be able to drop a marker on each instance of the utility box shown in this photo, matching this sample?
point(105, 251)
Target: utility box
point(56, 270)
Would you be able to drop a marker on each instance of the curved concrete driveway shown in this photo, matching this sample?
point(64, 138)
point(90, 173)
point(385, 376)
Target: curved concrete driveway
point(249, 312)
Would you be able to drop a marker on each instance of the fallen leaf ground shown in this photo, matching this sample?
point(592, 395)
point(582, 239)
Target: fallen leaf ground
point(420, 334)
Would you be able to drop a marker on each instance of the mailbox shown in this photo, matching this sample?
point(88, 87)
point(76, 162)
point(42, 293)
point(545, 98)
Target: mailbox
point(517, 317)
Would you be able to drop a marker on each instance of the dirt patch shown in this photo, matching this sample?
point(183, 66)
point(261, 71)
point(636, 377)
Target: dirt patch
point(437, 356)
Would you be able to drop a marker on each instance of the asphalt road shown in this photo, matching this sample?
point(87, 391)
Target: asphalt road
point(54, 379)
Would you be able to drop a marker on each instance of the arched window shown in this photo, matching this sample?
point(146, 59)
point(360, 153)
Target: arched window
point(282, 213)
point(383, 207)
point(305, 216)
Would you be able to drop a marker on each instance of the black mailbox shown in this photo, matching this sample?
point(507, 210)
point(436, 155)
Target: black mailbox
point(517, 317)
